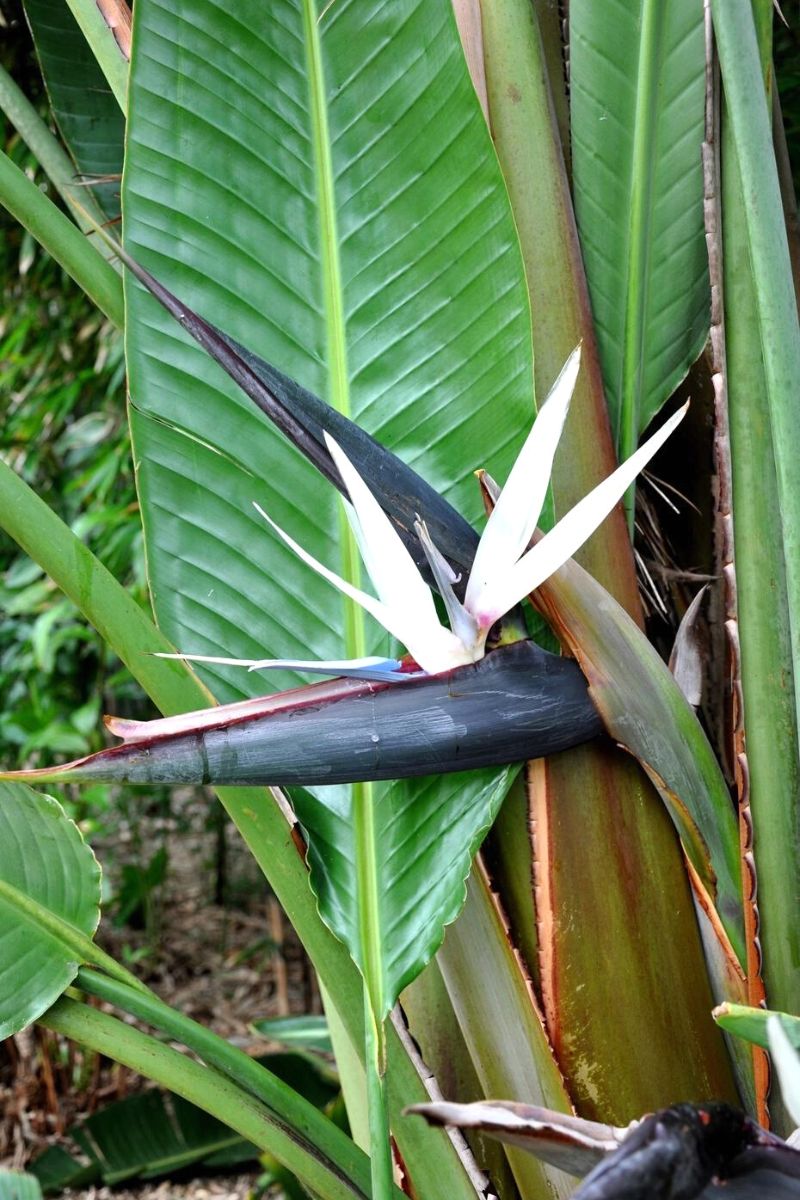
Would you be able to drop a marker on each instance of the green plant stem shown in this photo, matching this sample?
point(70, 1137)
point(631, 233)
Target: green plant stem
point(776, 308)
point(206, 1088)
point(57, 234)
point(46, 149)
point(296, 1115)
point(764, 628)
point(104, 47)
point(377, 1109)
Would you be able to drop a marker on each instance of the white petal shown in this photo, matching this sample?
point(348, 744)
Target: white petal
point(432, 646)
point(209, 658)
point(381, 612)
point(787, 1065)
point(391, 568)
point(514, 517)
point(407, 599)
point(463, 624)
point(569, 534)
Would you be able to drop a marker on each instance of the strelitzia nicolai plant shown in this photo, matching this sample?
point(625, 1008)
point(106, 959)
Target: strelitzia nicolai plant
point(324, 43)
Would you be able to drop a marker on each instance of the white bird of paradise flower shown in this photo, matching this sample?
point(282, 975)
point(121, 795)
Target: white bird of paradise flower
point(503, 573)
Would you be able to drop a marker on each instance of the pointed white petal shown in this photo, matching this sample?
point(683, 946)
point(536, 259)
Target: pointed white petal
point(569, 534)
point(406, 596)
point(787, 1065)
point(432, 646)
point(464, 625)
point(391, 568)
point(514, 517)
point(209, 658)
point(379, 611)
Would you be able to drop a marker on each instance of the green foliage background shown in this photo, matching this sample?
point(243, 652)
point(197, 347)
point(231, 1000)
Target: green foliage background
point(63, 428)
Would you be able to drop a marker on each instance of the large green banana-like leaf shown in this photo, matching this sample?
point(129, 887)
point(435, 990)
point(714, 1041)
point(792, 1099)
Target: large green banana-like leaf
point(88, 116)
point(49, 903)
point(325, 191)
point(637, 86)
point(319, 182)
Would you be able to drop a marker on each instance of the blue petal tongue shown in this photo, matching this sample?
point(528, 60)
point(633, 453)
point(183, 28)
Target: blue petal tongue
point(377, 670)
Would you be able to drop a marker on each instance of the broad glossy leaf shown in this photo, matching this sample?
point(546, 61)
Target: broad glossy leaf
point(88, 116)
point(49, 889)
point(637, 88)
point(306, 420)
point(325, 190)
point(409, 314)
point(429, 835)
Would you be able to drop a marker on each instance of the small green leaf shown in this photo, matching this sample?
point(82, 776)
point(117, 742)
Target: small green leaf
point(306, 1032)
point(15, 1185)
point(751, 1023)
point(49, 888)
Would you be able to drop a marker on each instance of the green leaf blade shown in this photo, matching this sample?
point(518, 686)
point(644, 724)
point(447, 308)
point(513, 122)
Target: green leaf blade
point(422, 885)
point(88, 116)
point(637, 136)
point(46, 867)
point(394, 318)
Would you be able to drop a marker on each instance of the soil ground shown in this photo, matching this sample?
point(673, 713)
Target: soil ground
point(211, 941)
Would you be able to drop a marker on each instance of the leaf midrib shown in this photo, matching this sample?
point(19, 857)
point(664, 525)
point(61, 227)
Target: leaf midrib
point(368, 900)
point(646, 109)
